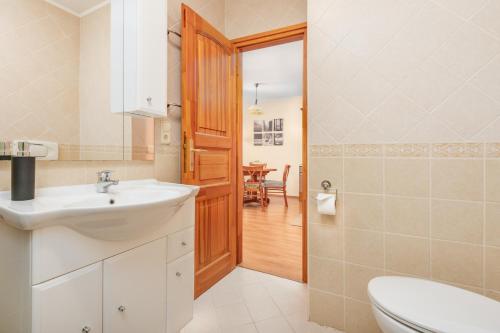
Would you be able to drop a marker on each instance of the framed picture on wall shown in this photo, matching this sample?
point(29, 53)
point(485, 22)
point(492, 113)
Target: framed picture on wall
point(268, 125)
point(258, 126)
point(278, 139)
point(278, 125)
point(268, 139)
point(257, 139)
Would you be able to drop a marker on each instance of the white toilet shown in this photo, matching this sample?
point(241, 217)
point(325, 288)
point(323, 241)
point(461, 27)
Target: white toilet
point(409, 305)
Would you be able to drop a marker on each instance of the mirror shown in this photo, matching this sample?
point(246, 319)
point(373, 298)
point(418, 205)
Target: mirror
point(66, 67)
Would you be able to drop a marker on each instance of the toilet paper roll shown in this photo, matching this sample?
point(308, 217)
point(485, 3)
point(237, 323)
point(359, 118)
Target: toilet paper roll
point(326, 203)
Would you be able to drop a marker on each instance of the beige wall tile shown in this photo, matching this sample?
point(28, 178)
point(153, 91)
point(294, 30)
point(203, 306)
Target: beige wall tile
point(326, 275)
point(140, 169)
point(364, 211)
point(59, 173)
point(457, 262)
point(407, 215)
point(457, 221)
point(326, 309)
point(360, 318)
point(363, 175)
point(4, 175)
point(364, 247)
point(457, 179)
point(492, 232)
point(357, 278)
point(493, 180)
point(408, 177)
point(408, 255)
point(492, 268)
point(325, 168)
point(326, 241)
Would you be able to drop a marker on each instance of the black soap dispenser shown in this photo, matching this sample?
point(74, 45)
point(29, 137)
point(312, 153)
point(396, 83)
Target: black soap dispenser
point(23, 171)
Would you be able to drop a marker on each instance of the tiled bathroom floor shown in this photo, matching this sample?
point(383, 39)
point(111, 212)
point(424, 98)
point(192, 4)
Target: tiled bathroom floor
point(247, 301)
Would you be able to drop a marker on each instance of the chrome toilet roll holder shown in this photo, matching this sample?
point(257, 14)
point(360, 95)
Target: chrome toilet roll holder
point(327, 187)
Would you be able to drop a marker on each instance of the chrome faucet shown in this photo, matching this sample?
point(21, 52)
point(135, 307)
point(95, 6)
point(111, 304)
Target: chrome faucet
point(104, 181)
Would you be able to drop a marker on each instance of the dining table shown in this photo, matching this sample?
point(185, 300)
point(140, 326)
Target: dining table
point(265, 172)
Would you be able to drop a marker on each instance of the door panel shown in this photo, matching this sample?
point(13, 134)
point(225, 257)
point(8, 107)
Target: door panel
point(209, 143)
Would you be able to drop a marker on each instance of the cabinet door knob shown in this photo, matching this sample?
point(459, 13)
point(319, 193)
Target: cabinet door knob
point(178, 274)
point(149, 99)
point(86, 329)
point(183, 243)
point(121, 308)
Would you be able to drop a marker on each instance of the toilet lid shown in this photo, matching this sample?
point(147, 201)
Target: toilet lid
point(434, 307)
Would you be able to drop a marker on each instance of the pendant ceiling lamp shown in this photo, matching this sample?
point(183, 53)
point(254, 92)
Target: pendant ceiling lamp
point(256, 109)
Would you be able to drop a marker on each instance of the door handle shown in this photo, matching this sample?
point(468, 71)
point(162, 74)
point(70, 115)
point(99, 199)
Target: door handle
point(192, 151)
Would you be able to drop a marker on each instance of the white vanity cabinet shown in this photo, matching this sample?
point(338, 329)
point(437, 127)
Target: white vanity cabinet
point(180, 285)
point(87, 285)
point(135, 291)
point(70, 303)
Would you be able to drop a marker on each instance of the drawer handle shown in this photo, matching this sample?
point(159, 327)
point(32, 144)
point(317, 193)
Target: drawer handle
point(121, 308)
point(178, 274)
point(184, 243)
point(86, 329)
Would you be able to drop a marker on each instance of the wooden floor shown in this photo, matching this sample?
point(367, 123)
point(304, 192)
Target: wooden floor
point(271, 244)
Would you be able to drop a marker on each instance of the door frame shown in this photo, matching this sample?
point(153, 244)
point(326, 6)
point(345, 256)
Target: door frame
point(253, 42)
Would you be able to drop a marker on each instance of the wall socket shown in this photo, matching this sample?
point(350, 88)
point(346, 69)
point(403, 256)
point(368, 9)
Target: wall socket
point(165, 132)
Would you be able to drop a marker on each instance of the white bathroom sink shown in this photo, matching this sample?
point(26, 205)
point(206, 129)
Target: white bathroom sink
point(129, 210)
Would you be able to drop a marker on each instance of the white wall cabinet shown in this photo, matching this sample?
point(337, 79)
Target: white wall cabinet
point(139, 52)
point(135, 290)
point(71, 303)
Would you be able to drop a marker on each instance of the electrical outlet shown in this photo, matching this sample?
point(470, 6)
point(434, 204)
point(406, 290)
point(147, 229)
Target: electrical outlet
point(165, 132)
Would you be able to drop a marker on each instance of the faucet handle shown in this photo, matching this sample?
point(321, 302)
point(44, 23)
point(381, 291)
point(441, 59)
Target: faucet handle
point(104, 175)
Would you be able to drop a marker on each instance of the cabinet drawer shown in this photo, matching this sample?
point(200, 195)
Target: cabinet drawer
point(180, 292)
point(180, 243)
point(70, 303)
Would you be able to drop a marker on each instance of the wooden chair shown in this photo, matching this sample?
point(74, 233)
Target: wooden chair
point(253, 185)
point(277, 186)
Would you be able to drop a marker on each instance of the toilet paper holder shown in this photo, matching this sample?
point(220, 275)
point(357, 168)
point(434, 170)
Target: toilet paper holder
point(327, 187)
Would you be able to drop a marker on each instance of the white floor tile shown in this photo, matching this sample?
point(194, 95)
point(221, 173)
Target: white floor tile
point(274, 325)
point(233, 315)
point(247, 301)
point(226, 296)
point(248, 328)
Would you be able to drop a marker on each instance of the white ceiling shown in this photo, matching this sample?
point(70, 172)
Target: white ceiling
point(78, 7)
point(278, 69)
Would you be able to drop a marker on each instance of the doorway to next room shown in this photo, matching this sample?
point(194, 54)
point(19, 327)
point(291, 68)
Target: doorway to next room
point(272, 141)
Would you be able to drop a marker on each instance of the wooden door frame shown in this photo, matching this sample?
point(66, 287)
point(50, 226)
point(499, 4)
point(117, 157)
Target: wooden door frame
point(253, 42)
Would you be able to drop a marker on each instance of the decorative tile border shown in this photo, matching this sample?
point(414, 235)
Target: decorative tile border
point(492, 150)
point(458, 150)
point(363, 150)
point(168, 150)
point(326, 150)
point(407, 150)
point(437, 150)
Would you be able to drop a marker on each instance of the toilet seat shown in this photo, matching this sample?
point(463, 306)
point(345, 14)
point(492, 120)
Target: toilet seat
point(432, 307)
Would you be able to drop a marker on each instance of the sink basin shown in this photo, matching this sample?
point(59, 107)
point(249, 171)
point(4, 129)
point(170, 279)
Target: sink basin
point(129, 210)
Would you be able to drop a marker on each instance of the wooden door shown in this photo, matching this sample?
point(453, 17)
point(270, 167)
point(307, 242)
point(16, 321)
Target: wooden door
point(209, 144)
